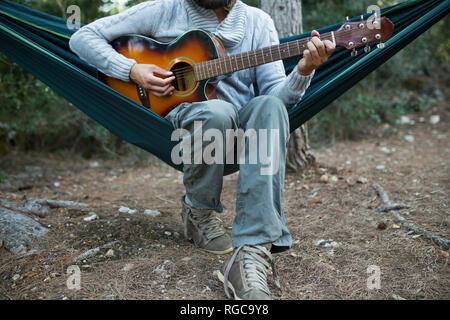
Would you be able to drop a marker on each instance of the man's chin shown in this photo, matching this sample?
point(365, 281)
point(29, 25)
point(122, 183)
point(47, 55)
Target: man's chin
point(213, 4)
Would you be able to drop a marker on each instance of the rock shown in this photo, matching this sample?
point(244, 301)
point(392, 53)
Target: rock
point(109, 253)
point(380, 167)
point(123, 209)
point(94, 164)
point(435, 119)
point(16, 277)
point(362, 180)
point(404, 120)
point(324, 178)
point(132, 211)
point(317, 200)
point(333, 179)
point(327, 243)
point(382, 225)
point(422, 119)
point(18, 231)
point(351, 181)
point(385, 150)
point(444, 254)
point(128, 267)
point(409, 138)
point(168, 233)
point(153, 213)
point(88, 254)
point(92, 217)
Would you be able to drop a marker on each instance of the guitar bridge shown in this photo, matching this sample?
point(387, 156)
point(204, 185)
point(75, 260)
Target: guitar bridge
point(143, 96)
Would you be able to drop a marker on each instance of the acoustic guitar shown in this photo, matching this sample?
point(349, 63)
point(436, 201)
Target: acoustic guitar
point(197, 56)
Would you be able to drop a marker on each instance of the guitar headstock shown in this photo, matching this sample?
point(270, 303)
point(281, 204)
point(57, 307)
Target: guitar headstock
point(356, 34)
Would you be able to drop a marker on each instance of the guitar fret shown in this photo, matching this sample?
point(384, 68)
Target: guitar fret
point(262, 55)
point(242, 59)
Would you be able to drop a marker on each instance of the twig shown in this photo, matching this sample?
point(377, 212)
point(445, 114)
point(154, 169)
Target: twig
point(165, 200)
point(40, 207)
point(444, 244)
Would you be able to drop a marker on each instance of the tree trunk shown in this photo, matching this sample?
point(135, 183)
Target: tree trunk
point(287, 16)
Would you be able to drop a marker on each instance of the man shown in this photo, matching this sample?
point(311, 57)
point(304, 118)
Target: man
point(259, 228)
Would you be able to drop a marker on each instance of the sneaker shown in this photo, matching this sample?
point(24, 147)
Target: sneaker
point(245, 273)
point(205, 229)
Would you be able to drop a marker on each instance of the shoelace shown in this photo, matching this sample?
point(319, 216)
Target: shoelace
point(207, 221)
point(255, 268)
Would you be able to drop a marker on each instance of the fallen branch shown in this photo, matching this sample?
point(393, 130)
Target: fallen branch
point(40, 207)
point(93, 252)
point(387, 206)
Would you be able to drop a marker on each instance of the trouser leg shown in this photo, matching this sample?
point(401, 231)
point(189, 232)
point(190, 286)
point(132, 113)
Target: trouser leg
point(259, 198)
point(203, 181)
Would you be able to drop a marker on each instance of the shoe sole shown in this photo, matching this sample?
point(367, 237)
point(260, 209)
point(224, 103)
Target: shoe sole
point(230, 286)
point(217, 252)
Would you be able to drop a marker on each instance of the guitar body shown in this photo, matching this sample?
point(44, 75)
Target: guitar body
point(178, 56)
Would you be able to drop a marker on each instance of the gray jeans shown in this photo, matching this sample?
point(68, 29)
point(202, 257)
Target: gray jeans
point(259, 197)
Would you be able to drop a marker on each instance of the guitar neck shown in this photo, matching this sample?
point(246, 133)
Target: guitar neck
point(226, 65)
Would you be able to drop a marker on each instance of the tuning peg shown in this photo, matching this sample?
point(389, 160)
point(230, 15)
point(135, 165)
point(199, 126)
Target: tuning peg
point(380, 45)
point(367, 49)
point(354, 52)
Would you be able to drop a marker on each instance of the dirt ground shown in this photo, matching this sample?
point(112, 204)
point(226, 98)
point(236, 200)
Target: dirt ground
point(151, 259)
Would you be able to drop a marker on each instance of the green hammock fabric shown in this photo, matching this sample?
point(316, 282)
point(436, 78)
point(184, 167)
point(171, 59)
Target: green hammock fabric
point(39, 43)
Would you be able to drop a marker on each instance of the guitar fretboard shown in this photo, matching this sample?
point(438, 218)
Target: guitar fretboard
point(214, 68)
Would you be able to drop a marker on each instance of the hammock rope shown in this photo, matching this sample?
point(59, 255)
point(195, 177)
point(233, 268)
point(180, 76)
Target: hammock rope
point(39, 43)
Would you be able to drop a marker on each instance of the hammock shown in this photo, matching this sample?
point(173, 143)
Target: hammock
point(39, 43)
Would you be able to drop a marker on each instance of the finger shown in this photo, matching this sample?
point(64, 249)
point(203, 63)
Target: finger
point(160, 89)
point(157, 81)
point(315, 33)
point(307, 57)
point(320, 47)
point(315, 58)
point(162, 72)
point(169, 91)
point(329, 47)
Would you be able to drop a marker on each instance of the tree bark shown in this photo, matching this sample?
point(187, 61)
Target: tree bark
point(287, 16)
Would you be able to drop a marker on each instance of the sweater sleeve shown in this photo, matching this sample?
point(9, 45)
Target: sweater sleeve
point(271, 77)
point(91, 42)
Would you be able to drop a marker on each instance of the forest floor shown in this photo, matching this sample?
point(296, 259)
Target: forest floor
point(151, 260)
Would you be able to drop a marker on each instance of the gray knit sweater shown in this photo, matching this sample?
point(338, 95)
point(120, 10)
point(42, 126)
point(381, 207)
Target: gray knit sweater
point(245, 29)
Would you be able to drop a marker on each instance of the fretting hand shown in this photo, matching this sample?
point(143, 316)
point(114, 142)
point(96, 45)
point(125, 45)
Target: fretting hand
point(317, 53)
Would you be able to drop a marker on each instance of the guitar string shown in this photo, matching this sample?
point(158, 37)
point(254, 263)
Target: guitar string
point(261, 53)
point(182, 73)
point(258, 55)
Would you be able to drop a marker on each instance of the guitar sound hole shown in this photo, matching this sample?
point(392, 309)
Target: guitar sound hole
point(184, 76)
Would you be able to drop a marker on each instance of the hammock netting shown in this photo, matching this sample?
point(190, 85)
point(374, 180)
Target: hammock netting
point(40, 44)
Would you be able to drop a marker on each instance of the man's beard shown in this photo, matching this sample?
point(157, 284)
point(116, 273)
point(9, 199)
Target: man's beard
point(213, 4)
